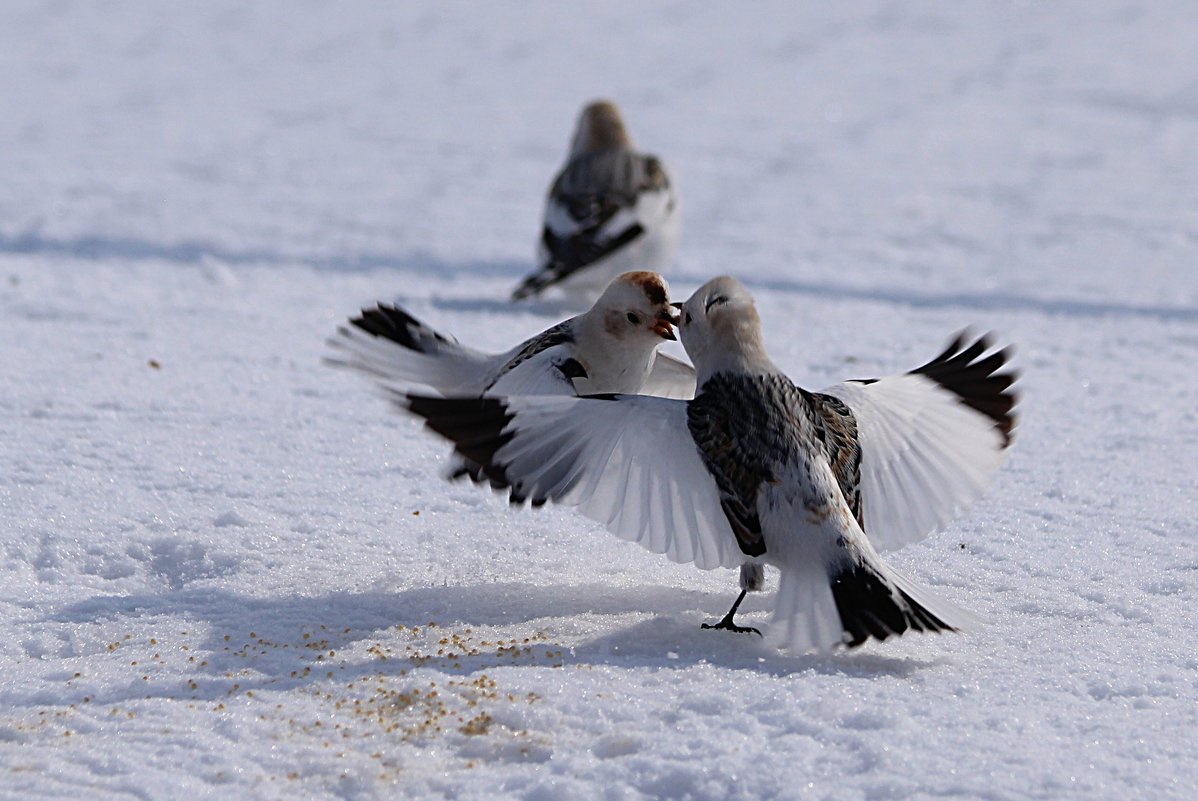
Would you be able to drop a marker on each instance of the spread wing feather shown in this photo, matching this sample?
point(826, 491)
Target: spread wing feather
point(930, 439)
point(626, 461)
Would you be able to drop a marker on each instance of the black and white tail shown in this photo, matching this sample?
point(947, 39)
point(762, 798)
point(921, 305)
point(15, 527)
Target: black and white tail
point(815, 610)
point(392, 346)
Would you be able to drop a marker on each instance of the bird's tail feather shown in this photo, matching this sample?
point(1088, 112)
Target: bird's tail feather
point(953, 617)
point(817, 611)
point(805, 616)
point(534, 284)
point(390, 345)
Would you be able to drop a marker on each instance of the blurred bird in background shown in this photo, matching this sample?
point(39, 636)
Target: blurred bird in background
point(610, 210)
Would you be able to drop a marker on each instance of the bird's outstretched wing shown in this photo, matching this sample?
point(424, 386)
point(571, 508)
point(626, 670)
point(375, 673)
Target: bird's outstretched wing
point(390, 345)
point(930, 439)
point(626, 461)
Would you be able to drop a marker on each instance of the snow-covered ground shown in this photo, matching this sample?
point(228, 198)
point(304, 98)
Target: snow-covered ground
point(230, 572)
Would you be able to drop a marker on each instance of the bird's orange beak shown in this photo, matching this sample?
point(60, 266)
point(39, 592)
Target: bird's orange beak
point(664, 325)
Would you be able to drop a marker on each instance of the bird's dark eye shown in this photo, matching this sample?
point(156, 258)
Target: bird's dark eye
point(716, 301)
point(687, 320)
point(632, 318)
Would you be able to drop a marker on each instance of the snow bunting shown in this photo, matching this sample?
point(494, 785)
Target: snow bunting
point(613, 347)
point(757, 468)
point(925, 444)
point(609, 210)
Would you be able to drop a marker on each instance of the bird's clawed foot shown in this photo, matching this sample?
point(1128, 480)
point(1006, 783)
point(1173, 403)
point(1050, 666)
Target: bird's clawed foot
point(728, 625)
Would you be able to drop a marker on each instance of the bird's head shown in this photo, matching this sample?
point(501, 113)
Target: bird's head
point(635, 309)
point(600, 127)
point(719, 325)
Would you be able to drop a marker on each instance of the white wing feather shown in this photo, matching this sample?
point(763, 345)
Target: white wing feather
point(924, 455)
point(628, 463)
point(452, 368)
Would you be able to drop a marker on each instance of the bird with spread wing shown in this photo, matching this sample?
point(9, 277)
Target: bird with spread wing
point(756, 469)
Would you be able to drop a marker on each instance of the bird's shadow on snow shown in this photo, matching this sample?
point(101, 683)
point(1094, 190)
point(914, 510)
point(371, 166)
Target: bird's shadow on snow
point(679, 642)
point(248, 643)
point(91, 247)
point(197, 251)
point(189, 252)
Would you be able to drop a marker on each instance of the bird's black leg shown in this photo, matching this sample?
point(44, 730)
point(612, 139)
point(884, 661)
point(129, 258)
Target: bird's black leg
point(727, 622)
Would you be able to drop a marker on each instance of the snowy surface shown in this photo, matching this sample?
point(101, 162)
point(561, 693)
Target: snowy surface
point(229, 572)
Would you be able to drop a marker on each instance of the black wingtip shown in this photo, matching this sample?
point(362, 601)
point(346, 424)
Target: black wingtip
point(963, 369)
point(394, 323)
point(477, 427)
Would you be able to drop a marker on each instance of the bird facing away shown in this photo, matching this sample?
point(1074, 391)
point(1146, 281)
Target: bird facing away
point(612, 347)
point(609, 210)
point(754, 468)
point(913, 449)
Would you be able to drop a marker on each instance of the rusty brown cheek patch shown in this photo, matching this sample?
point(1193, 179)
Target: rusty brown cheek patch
point(614, 324)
